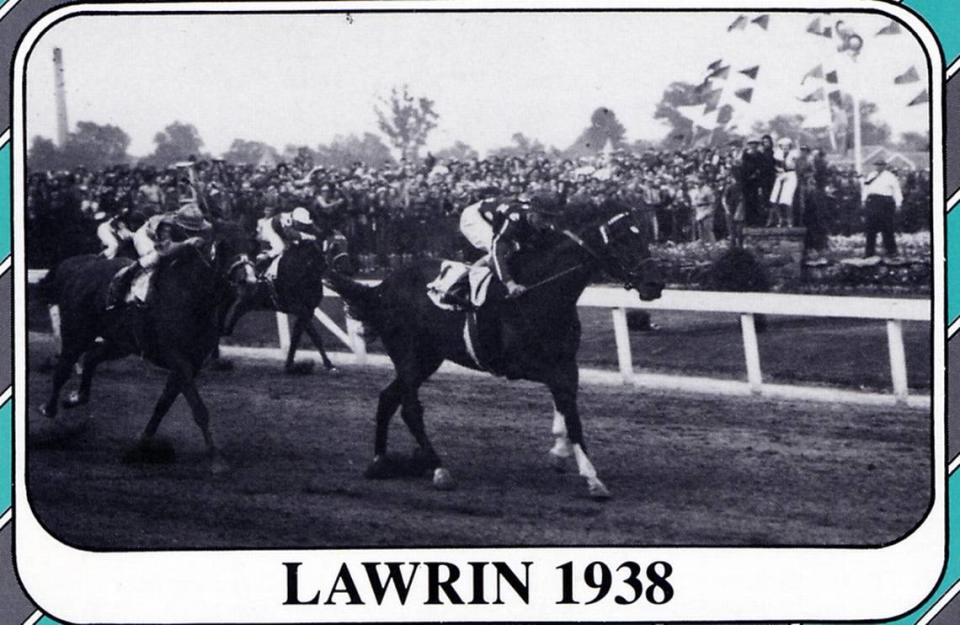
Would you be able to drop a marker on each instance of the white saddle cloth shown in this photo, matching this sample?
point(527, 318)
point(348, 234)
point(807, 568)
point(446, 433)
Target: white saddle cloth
point(452, 272)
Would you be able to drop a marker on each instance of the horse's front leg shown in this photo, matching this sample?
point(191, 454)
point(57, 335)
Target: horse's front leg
point(565, 398)
point(562, 449)
point(291, 366)
point(317, 339)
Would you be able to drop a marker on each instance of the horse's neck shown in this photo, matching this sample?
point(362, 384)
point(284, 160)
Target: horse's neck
point(561, 273)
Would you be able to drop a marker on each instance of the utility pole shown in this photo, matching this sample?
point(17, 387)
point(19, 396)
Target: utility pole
point(61, 97)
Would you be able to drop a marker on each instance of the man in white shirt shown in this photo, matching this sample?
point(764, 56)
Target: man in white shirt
point(882, 198)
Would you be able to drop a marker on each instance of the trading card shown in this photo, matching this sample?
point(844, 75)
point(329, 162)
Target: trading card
point(477, 311)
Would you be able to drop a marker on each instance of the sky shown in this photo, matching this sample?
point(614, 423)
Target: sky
point(303, 79)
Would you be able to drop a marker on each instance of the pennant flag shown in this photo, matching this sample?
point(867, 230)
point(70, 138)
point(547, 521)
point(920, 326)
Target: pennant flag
point(715, 66)
point(738, 24)
point(725, 115)
point(699, 89)
point(816, 72)
point(832, 77)
point(721, 73)
point(751, 72)
point(920, 99)
point(827, 32)
point(816, 96)
point(713, 100)
point(815, 28)
point(836, 98)
point(890, 29)
point(745, 94)
point(907, 77)
point(763, 21)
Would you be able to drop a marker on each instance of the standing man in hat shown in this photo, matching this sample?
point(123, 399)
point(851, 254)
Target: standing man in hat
point(882, 199)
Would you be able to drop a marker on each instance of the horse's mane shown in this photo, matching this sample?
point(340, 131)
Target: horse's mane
point(579, 215)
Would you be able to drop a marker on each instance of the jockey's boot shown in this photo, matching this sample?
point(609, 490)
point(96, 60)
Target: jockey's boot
point(120, 286)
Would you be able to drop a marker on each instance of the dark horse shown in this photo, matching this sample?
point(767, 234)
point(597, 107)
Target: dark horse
point(418, 336)
point(177, 331)
point(297, 291)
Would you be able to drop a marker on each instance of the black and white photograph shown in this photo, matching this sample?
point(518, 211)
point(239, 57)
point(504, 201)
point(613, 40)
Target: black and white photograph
point(354, 279)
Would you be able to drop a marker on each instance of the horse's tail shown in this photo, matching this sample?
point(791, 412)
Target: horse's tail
point(48, 289)
point(363, 302)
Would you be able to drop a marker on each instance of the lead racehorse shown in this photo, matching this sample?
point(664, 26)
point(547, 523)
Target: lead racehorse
point(419, 336)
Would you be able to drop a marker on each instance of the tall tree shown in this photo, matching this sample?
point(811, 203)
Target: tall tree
point(177, 142)
point(604, 129)
point(44, 155)
point(680, 128)
point(344, 151)
point(407, 121)
point(250, 153)
point(96, 146)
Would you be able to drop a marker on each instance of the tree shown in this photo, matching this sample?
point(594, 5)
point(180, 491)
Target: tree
point(914, 142)
point(459, 151)
point(344, 151)
point(44, 155)
point(522, 146)
point(245, 152)
point(95, 146)
point(604, 128)
point(680, 128)
point(407, 122)
point(177, 142)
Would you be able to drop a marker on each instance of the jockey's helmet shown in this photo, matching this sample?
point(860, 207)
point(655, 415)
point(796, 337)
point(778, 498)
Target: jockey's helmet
point(190, 218)
point(301, 216)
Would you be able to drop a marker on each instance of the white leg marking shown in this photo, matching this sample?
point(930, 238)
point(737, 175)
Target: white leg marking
point(597, 489)
point(561, 446)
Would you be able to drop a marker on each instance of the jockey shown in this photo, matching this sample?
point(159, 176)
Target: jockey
point(117, 230)
point(281, 230)
point(161, 236)
point(500, 229)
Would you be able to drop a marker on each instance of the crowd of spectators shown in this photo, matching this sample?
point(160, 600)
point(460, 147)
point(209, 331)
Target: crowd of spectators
point(393, 211)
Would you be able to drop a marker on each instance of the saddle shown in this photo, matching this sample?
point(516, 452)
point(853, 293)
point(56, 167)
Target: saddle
point(130, 285)
point(460, 286)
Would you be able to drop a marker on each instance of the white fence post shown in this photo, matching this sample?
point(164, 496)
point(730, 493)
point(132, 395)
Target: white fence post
point(898, 359)
point(751, 351)
point(283, 331)
point(55, 322)
point(622, 335)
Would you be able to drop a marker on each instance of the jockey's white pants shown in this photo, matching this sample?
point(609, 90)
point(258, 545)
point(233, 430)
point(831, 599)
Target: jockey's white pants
point(475, 228)
point(108, 239)
point(268, 235)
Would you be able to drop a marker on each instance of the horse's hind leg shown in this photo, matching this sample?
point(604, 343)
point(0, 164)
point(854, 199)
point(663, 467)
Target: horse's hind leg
point(564, 393)
point(562, 449)
point(296, 332)
point(317, 339)
point(61, 373)
point(386, 407)
point(100, 353)
point(412, 412)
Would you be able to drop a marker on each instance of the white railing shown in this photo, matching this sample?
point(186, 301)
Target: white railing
point(893, 311)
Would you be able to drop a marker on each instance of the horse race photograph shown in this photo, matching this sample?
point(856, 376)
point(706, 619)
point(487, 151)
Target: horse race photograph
point(439, 278)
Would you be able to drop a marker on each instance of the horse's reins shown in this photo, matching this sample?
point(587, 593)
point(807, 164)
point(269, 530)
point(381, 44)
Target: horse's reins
point(582, 245)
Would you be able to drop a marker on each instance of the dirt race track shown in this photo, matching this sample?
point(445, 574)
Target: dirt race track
point(683, 469)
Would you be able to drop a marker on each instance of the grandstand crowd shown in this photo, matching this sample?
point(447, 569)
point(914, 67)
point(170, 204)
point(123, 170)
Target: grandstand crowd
point(393, 212)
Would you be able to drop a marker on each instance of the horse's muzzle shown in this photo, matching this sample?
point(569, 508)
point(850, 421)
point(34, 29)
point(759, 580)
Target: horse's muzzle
point(649, 291)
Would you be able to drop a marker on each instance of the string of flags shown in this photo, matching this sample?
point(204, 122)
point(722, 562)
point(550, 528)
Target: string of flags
point(742, 21)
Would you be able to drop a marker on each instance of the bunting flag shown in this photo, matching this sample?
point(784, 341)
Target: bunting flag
point(890, 29)
point(816, 72)
point(751, 72)
point(713, 100)
point(909, 76)
point(832, 77)
point(816, 96)
point(721, 73)
point(745, 94)
point(828, 32)
point(763, 21)
point(815, 27)
point(836, 98)
point(715, 66)
point(725, 116)
point(920, 99)
point(738, 24)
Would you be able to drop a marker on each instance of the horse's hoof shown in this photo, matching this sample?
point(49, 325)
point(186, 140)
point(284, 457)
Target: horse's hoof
point(599, 492)
point(74, 399)
point(299, 368)
point(442, 480)
point(557, 463)
point(379, 469)
point(331, 370)
point(49, 411)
